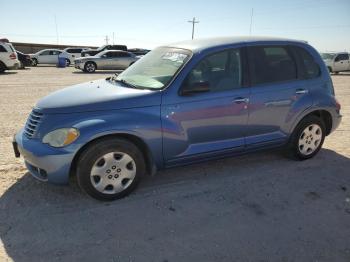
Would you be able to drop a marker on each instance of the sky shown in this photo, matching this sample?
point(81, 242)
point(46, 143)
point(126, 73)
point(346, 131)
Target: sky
point(325, 24)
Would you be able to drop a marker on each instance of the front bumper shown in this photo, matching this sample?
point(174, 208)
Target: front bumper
point(44, 162)
point(79, 66)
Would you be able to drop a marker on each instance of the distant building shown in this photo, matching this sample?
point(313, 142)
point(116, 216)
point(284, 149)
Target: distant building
point(30, 48)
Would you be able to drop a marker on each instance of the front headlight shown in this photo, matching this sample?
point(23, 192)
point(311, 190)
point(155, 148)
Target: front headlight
point(61, 137)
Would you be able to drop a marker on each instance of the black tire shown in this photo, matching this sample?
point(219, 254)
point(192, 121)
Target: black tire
point(335, 73)
point(93, 155)
point(295, 149)
point(90, 67)
point(2, 67)
point(34, 62)
point(67, 62)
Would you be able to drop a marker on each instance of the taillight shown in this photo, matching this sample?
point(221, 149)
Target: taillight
point(13, 56)
point(337, 105)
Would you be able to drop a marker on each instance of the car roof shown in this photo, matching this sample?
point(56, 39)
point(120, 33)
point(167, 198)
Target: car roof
point(198, 45)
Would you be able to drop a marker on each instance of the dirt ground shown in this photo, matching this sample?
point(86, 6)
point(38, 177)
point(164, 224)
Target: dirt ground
point(259, 207)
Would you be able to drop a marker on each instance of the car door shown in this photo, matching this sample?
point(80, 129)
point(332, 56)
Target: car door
point(44, 57)
point(207, 124)
point(275, 92)
point(121, 60)
point(53, 56)
point(341, 63)
point(107, 61)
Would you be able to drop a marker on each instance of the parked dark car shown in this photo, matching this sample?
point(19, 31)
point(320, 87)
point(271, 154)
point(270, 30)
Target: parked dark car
point(24, 59)
point(92, 52)
point(138, 51)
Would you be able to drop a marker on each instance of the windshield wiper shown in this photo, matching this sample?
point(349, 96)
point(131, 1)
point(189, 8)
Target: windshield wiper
point(125, 82)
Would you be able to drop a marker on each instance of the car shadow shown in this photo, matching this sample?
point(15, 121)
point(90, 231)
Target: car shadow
point(43, 222)
point(8, 73)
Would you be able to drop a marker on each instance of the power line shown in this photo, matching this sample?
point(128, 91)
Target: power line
point(193, 21)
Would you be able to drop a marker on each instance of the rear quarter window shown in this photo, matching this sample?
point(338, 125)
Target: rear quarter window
point(308, 68)
point(2, 49)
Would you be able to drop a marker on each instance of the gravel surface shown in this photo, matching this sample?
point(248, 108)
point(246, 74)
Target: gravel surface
point(258, 207)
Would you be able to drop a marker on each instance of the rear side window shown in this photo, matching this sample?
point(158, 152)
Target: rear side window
point(342, 57)
point(270, 64)
point(3, 49)
point(309, 68)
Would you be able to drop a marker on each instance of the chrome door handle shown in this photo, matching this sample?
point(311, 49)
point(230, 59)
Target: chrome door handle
point(301, 91)
point(239, 100)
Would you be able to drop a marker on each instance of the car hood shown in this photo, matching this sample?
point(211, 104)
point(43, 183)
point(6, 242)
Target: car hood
point(97, 95)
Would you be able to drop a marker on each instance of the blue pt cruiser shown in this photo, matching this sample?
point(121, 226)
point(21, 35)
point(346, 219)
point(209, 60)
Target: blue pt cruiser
point(180, 104)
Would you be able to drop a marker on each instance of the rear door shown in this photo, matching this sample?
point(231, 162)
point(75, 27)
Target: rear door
point(53, 56)
point(276, 91)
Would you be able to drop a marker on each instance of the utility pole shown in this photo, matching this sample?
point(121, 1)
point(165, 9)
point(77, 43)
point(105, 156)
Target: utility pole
point(113, 38)
point(106, 39)
point(251, 21)
point(193, 21)
point(56, 30)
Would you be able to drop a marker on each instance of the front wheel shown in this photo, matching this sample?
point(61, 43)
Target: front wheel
point(307, 138)
point(34, 62)
point(90, 67)
point(110, 169)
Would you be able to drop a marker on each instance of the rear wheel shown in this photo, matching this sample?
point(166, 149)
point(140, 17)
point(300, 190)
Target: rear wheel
point(110, 169)
point(307, 138)
point(90, 67)
point(67, 62)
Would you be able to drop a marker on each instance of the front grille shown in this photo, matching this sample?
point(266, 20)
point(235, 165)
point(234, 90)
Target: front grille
point(33, 122)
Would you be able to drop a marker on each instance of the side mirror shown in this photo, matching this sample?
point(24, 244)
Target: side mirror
point(197, 87)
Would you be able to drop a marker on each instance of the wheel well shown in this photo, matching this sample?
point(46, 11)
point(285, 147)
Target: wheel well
point(326, 118)
point(2, 65)
point(131, 138)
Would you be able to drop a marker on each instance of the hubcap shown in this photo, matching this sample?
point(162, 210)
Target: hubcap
point(90, 67)
point(113, 172)
point(310, 139)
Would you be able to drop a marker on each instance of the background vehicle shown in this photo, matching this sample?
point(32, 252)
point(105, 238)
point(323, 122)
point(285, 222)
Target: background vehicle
point(181, 104)
point(336, 62)
point(75, 52)
point(50, 56)
point(24, 59)
point(8, 56)
point(92, 52)
point(106, 60)
point(138, 51)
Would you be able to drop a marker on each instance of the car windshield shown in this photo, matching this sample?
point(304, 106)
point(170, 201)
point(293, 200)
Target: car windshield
point(327, 56)
point(101, 48)
point(156, 69)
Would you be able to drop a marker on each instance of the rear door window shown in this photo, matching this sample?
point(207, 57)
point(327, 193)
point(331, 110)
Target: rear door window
point(3, 49)
point(271, 64)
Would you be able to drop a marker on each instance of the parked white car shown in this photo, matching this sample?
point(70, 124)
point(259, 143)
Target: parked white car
point(75, 52)
point(8, 56)
point(336, 62)
point(50, 56)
